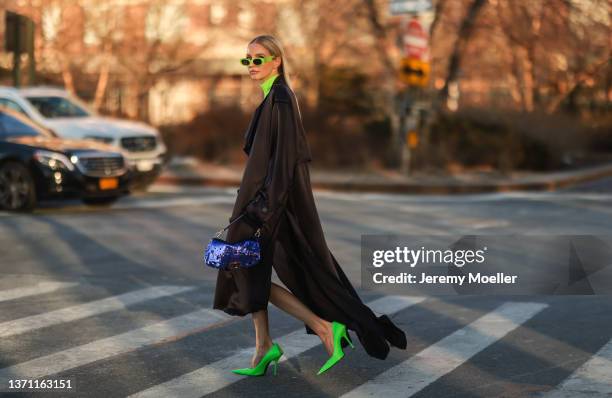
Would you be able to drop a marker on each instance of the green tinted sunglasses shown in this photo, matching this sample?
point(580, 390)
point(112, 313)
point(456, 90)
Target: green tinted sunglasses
point(256, 61)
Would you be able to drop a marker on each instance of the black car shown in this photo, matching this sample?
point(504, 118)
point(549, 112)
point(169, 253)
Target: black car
point(37, 164)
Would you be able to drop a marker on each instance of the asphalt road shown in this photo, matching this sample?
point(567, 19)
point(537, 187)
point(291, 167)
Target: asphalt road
point(117, 301)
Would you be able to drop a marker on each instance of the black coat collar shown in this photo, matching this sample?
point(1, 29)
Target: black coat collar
point(250, 132)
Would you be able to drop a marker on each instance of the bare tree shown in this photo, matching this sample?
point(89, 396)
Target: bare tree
point(555, 45)
point(153, 46)
point(464, 35)
point(104, 23)
point(322, 33)
point(60, 47)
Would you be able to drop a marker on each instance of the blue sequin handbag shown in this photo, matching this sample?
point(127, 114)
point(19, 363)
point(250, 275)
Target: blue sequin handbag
point(220, 254)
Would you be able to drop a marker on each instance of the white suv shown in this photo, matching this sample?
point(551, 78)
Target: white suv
point(58, 110)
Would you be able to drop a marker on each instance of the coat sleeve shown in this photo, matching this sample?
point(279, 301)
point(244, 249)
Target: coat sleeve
point(271, 198)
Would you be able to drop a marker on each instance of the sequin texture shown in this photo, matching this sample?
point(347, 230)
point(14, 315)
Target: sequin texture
point(223, 255)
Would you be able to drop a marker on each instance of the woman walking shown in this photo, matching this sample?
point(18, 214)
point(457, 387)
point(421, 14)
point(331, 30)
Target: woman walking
point(275, 195)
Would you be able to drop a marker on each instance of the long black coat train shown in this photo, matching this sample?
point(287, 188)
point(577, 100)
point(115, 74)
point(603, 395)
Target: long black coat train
point(275, 194)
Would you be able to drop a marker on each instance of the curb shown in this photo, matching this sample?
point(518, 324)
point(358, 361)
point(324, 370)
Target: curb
point(549, 182)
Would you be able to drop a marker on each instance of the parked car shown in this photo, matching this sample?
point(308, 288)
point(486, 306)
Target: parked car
point(67, 116)
point(37, 164)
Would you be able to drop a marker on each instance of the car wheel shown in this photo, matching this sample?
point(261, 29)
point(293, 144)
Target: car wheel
point(102, 201)
point(17, 189)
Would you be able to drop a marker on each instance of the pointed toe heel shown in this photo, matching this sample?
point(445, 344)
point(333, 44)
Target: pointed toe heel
point(339, 331)
point(273, 355)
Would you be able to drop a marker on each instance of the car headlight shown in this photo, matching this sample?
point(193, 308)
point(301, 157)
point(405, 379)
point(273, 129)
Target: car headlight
point(99, 138)
point(161, 145)
point(53, 160)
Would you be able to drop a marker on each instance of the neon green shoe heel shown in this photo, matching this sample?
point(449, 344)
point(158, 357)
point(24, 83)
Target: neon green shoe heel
point(272, 355)
point(339, 331)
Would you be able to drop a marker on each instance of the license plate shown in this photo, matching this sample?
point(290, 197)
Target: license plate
point(108, 183)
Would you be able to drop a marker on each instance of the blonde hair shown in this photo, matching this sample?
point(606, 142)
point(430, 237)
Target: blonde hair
point(273, 45)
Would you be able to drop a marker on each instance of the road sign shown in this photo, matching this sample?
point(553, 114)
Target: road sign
point(409, 6)
point(414, 72)
point(415, 39)
point(412, 139)
point(17, 32)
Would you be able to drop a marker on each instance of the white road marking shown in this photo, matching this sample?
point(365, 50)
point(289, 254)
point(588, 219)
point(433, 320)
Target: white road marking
point(144, 202)
point(22, 325)
point(161, 188)
point(592, 379)
point(128, 203)
point(217, 375)
point(39, 288)
point(153, 203)
point(475, 197)
point(110, 346)
point(425, 367)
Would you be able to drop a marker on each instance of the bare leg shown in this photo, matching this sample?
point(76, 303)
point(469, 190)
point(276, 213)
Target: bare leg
point(263, 342)
point(286, 301)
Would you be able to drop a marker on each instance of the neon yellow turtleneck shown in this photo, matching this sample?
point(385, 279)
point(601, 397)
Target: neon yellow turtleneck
point(267, 84)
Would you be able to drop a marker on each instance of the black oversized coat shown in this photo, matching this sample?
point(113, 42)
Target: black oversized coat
point(275, 194)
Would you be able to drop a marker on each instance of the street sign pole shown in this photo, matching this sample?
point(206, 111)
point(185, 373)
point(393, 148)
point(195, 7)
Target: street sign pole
point(405, 123)
point(30, 27)
point(414, 72)
point(19, 38)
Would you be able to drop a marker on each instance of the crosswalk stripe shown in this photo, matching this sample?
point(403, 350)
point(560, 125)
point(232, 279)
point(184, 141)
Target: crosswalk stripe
point(136, 203)
point(114, 345)
point(425, 367)
point(187, 189)
point(592, 379)
point(153, 203)
point(393, 198)
point(22, 325)
point(217, 375)
point(39, 288)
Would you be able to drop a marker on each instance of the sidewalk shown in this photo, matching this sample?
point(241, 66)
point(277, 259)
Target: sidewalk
point(189, 171)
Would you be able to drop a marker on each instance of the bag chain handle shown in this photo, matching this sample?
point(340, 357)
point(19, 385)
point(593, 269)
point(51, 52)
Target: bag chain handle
point(218, 234)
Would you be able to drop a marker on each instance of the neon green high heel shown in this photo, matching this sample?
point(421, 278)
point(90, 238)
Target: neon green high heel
point(272, 355)
point(339, 332)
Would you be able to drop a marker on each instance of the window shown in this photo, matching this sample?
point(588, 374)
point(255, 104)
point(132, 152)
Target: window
point(52, 107)
point(11, 105)
point(11, 126)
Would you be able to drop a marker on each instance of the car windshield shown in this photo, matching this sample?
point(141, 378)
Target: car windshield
point(56, 106)
point(12, 125)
